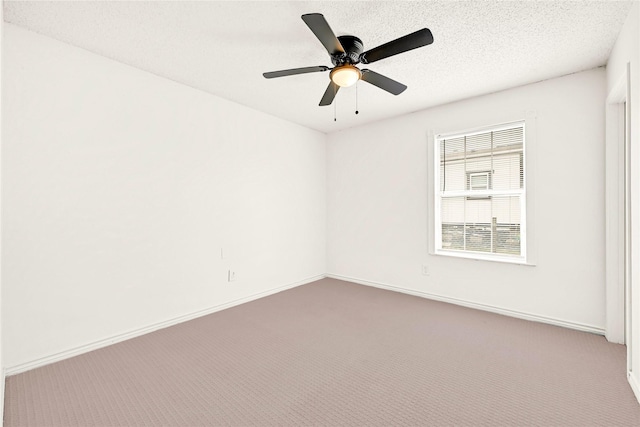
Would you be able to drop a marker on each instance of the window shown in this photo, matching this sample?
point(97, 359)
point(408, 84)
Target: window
point(479, 180)
point(479, 191)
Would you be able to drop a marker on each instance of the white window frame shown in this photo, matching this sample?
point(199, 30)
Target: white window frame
point(522, 192)
point(486, 174)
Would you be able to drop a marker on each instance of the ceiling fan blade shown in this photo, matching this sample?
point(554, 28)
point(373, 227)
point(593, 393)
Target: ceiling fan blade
point(294, 71)
point(383, 82)
point(320, 27)
point(329, 94)
point(411, 41)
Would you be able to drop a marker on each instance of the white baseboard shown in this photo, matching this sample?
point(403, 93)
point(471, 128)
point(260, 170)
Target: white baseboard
point(635, 385)
point(475, 305)
point(12, 370)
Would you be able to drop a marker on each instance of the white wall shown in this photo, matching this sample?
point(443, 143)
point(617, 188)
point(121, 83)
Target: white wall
point(120, 189)
point(378, 178)
point(627, 50)
point(2, 383)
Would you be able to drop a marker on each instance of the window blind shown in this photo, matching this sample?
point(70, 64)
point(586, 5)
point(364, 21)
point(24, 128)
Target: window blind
point(481, 191)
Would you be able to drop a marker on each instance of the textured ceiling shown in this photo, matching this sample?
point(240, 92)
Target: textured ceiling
point(223, 47)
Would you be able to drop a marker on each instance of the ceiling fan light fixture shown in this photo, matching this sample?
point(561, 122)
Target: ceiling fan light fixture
point(345, 75)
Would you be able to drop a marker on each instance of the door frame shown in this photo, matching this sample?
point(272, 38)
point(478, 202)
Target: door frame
point(618, 214)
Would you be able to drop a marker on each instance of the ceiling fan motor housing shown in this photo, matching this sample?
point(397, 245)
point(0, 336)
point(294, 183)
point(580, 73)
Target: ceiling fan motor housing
point(353, 48)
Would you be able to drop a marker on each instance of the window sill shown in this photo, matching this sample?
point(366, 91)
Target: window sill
point(482, 257)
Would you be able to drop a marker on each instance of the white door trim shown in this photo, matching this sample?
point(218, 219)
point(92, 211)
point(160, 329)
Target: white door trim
point(616, 176)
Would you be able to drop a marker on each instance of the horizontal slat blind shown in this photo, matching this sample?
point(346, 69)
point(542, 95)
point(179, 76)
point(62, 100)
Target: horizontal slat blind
point(481, 191)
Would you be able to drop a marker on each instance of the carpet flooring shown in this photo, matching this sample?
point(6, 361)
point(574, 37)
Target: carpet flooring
point(334, 353)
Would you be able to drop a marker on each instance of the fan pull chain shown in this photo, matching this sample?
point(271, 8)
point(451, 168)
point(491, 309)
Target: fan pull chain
point(335, 101)
point(357, 98)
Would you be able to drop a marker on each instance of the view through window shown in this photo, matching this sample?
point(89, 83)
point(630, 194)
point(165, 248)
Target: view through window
point(480, 201)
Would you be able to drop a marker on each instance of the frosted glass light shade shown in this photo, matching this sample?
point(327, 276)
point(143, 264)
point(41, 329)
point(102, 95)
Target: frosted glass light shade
point(345, 75)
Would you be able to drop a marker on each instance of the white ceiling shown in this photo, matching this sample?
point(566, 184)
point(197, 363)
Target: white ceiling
point(223, 47)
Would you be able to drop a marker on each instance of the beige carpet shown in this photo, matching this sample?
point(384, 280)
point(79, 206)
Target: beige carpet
point(337, 354)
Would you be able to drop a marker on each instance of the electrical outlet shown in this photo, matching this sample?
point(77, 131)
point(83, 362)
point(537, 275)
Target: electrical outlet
point(231, 277)
point(425, 270)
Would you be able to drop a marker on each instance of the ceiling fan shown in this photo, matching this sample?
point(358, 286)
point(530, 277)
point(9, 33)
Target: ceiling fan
point(347, 51)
